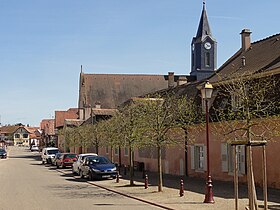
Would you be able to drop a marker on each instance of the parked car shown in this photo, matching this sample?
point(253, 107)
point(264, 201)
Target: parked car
point(34, 148)
point(98, 167)
point(48, 154)
point(3, 153)
point(77, 164)
point(66, 159)
point(57, 155)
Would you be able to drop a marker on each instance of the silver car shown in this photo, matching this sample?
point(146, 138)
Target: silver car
point(77, 164)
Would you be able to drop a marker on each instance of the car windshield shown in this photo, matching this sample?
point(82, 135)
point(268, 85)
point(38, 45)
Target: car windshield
point(53, 151)
point(70, 156)
point(98, 160)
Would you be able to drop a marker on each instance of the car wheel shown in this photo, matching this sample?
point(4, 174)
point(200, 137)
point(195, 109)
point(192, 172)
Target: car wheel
point(81, 174)
point(90, 176)
point(57, 166)
point(43, 162)
point(73, 172)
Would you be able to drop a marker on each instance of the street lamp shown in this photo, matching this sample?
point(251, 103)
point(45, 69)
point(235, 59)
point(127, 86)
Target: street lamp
point(206, 93)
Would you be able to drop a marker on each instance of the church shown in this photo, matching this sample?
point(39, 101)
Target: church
point(108, 91)
point(260, 59)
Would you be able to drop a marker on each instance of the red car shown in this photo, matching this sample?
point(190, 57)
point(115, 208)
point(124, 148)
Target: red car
point(66, 159)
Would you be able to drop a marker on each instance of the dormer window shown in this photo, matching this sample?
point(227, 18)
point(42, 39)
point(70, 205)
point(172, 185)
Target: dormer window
point(236, 101)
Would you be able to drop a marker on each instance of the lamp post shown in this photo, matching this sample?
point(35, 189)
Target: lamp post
point(206, 93)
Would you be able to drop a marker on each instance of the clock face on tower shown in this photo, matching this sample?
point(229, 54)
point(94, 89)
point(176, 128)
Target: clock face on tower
point(207, 46)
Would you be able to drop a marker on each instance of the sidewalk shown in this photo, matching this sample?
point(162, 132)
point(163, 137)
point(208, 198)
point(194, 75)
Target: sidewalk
point(193, 195)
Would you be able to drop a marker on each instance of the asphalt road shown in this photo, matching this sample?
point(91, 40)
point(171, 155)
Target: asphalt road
point(26, 184)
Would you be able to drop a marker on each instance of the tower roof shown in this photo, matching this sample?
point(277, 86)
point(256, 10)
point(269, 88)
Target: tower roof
point(204, 27)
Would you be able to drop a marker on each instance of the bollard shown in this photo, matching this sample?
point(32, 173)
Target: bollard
point(181, 188)
point(124, 170)
point(118, 177)
point(146, 181)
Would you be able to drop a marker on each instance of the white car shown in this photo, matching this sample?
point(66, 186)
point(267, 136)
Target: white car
point(77, 164)
point(48, 154)
point(34, 148)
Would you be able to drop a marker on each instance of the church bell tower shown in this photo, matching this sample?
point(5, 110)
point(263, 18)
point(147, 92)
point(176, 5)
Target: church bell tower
point(203, 50)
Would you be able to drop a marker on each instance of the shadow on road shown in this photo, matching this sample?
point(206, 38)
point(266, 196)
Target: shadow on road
point(220, 188)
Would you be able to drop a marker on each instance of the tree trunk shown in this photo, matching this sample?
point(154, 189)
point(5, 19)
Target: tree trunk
point(235, 153)
point(264, 179)
point(159, 170)
point(111, 155)
point(96, 148)
point(253, 205)
point(249, 178)
point(186, 150)
point(131, 166)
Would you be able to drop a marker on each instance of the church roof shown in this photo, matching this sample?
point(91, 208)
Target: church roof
point(204, 27)
point(111, 90)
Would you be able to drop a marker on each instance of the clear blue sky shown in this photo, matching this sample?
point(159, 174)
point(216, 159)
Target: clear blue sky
point(44, 42)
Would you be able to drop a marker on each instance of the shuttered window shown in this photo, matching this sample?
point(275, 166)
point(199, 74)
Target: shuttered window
point(198, 157)
point(228, 158)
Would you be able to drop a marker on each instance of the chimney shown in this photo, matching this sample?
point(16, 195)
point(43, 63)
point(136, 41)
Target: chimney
point(81, 114)
point(170, 79)
point(182, 80)
point(243, 60)
point(245, 39)
point(98, 105)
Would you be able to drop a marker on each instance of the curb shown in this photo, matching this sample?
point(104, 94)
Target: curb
point(123, 194)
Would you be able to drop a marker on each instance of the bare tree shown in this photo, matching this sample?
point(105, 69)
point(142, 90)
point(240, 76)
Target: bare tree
point(161, 116)
point(130, 131)
point(95, 135)
point(109, 130)
point(241, 104)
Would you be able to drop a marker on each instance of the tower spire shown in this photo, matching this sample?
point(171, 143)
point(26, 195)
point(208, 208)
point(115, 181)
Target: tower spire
point(203, 49)
point(204, 27)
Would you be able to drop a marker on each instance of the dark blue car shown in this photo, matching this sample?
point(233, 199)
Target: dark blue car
point(98, 167)
point(3, 153)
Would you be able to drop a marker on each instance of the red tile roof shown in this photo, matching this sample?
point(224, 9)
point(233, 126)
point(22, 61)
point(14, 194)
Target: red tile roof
point(60, 116)
point(48, 126)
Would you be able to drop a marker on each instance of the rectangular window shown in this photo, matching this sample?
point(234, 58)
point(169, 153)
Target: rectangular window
point(236, 102)
point(125, 151)
point(25, 135)
point(17, 136)
point(228, 158)
point(198, 156)
point(116, 151)
point(199, 153)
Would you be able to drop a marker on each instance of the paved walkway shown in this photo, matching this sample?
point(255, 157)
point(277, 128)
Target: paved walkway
point(193, 195)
